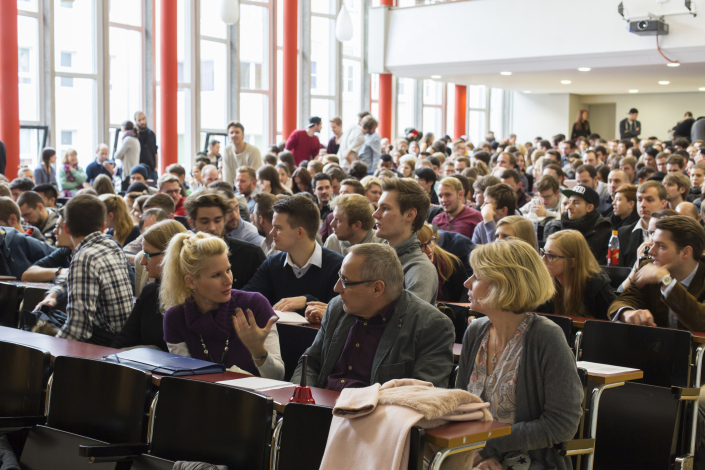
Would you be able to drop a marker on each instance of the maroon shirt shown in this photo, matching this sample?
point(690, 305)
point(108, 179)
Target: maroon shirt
point(464, 223)
point(302, 146)
point(354, 367)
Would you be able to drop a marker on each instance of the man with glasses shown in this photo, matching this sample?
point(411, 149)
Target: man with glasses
point(304, 271)
point(376, 330)
point(171, 186)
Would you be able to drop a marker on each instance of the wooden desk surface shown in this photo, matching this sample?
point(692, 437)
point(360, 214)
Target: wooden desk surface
point(460, 433)
point(449, 435)
point(614, 378)
point(38, 285)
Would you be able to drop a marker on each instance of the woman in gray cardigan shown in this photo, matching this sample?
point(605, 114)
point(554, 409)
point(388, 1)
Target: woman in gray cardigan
point(519, 362)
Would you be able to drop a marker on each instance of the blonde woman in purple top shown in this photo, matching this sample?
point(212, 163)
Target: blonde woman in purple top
point(209, 320)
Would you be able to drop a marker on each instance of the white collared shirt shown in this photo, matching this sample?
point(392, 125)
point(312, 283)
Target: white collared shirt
point(316, 259)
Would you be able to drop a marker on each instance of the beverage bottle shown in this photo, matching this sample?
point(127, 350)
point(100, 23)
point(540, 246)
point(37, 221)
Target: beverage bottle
point(534, 219)
point(613, 250)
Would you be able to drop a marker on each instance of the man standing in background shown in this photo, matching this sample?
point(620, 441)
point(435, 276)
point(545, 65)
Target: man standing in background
point(148, 145)
point(303, 143)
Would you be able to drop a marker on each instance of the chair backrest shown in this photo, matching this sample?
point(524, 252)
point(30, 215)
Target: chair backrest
point(637, 428)
point(459, 318)
point(663, 354)
point(566, 325)
point(32, 296)
point(294, 340)
point(304, 435)
point(100, 400)
point(50, 449)
point(617, 274)
point(24, 371)
point(208, 422)
point(9, 305)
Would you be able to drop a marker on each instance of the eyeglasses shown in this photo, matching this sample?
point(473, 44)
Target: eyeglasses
point(550, 257)
point(347, 284)
point(152, 255)
point(173, 191)
point(429, 244)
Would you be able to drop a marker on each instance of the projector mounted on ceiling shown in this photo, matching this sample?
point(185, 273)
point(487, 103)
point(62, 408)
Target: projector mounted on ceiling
point(654, 25)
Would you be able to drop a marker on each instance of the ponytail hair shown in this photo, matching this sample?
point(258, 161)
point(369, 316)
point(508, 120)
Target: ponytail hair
point(186, 255)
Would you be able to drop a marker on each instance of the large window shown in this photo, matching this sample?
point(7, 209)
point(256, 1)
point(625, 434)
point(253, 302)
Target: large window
point(214, 56)
point(406, 104)
point(75, 85)
point(323, 78)
point(433, 101)
point(478, 114)
point(352, 66)
point(255, 76)
point(29, 54)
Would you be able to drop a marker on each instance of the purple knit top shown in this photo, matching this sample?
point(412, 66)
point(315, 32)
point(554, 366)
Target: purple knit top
point(184, 323)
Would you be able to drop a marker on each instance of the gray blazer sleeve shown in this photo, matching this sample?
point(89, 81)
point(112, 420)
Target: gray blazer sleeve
point(434, 352)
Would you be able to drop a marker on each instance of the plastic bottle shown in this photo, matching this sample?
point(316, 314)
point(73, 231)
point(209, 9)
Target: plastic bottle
point(534, 219)
point(613, 250)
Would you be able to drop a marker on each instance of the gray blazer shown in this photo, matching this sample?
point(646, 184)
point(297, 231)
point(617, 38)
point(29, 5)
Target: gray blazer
point(549, 395)
point(417, 344)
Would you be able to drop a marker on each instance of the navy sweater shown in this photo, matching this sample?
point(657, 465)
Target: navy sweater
point(276, 280)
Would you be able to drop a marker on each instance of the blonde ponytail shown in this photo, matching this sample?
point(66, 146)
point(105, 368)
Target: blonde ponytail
point(186, 255)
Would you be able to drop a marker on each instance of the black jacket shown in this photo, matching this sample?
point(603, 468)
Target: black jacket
point(683, 128)
point(627, 130)
point(144, 326)
point(597, 298)
point(629, 242)
point(618, 222)
point(605, 208)
point(453, 289)
point(597, 234)
point(245, 258)
point(577, 132)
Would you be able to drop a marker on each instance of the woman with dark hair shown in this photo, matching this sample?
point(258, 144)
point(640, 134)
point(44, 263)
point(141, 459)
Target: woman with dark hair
point(268, 181)
point(301, 179)
point(103, 185)
point(288, 158)
point(581, 127)
point(45, 173)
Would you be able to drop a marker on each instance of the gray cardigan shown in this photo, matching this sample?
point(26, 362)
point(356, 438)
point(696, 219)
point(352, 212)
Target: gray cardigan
point(417, 344)
point(548, 393)
point(420, 275)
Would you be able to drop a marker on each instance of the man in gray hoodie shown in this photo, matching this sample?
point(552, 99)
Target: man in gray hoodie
point(401, 212)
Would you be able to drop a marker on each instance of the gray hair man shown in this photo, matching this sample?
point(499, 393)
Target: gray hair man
point(391, 333)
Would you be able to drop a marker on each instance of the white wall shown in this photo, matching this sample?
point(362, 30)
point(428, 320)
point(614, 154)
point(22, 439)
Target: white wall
point(535, 35)
point(658, 112)
point(547, 115)
point(539, 115)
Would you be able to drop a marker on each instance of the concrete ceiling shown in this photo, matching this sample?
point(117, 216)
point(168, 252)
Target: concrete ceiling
point(688, 77)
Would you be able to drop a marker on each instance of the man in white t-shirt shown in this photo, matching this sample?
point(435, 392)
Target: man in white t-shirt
point(351, 142)
point(238, 153)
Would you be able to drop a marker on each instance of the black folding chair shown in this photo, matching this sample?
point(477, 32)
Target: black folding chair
point(294, 340)
point(24, 372)
point(10, 297)
point(459, 318)
point(193, 420)
point(566, 325)
point(90, 402)
point(645, 423)
point(617, 275)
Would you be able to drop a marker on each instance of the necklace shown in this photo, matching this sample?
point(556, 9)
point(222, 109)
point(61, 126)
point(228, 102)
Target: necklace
point(496, 350)
point(208, 355)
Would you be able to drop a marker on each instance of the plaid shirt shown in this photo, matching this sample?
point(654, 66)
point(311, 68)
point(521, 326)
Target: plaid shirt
point(99, 289)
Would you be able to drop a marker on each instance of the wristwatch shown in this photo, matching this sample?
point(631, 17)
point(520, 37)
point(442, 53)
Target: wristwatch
point(666, 280)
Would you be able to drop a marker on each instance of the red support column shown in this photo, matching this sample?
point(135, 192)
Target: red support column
point(461, 110)
point(9, 87)
point(290, 66)
point(385, 96)
point(169, 145)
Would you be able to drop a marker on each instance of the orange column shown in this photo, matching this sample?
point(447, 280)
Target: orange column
point(385, 96)
point(291, 15)
point(169, 139)
point(461, 110)
point(9, 87)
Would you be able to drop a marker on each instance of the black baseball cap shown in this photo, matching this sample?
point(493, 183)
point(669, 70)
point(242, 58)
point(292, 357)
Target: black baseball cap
point(585, 192)
point(633, 111)
point(313, 120)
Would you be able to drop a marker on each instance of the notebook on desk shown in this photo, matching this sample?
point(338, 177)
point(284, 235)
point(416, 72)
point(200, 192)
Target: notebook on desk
point(164, 363)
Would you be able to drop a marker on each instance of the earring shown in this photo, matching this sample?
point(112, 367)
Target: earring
point(194, 290)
